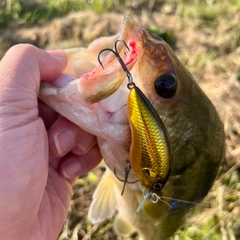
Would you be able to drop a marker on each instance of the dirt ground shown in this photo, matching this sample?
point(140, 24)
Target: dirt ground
point(213, 59)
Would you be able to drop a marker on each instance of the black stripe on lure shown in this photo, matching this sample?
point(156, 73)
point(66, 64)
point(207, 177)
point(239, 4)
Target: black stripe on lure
point(150, 151)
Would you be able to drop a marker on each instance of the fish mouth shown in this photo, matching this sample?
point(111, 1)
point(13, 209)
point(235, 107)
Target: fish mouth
point(126, 34)
point(97, 82)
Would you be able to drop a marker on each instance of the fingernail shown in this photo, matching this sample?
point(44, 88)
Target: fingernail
point(84, 149)
point(59, 54)
point(71, 169)
point(88, 143)
point(64, 141)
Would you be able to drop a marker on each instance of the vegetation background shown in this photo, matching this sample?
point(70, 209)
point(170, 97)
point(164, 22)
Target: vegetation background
point(205, 34)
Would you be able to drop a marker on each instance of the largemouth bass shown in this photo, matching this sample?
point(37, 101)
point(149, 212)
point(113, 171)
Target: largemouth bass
point(96, 99)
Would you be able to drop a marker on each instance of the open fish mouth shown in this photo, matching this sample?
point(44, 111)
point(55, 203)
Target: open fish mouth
point(98, 82)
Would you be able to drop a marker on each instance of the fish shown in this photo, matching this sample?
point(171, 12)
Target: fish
point(97, 100)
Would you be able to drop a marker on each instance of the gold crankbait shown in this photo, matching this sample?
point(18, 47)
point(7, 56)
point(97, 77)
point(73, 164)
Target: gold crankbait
point(150, 151)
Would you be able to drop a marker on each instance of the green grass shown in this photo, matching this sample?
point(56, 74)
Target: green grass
point(206, 10)
point(39, 11)
point(28, 13)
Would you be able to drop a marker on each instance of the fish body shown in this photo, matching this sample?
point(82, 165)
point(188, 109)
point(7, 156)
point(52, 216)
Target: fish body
point(96, 99)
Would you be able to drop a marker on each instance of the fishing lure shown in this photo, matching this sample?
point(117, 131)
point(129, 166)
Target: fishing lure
point(150, 151)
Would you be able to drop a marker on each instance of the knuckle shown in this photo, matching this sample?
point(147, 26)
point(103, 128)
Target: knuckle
point(22, 49)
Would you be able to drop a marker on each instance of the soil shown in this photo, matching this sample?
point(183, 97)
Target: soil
point(218, 78)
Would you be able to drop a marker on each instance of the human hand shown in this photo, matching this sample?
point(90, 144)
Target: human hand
point(35, 186)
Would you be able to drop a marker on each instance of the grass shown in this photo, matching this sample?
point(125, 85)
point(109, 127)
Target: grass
point(219, 221)
point(39, 11)
point(215, 59)
point(28, 13)
point(207, 38)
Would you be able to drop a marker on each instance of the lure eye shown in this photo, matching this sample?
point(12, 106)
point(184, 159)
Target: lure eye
point(166, 85)
point(157, 186)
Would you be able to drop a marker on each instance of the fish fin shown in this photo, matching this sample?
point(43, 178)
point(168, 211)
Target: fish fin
point(104, 202)
point(122, 227)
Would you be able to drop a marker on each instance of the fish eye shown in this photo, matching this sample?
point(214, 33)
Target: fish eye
point(166, 85)
point(157, 186)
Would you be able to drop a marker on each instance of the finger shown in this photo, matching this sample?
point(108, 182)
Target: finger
point(85, 145)
point(74, 165)
point(48, 115)
point(29, 66)
point(65, 136)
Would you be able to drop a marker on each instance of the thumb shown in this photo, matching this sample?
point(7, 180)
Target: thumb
point(21, 70)
point(24, 65)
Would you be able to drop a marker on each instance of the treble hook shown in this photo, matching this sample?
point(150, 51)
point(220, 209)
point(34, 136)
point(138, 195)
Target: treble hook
point(125, 181)
point(123, 65)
